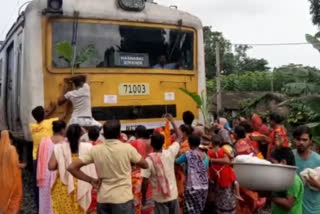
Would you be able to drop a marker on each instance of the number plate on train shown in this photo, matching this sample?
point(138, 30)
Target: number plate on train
point(131, 89)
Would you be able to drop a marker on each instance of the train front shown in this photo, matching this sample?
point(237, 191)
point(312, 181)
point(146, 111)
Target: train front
point(138, 58)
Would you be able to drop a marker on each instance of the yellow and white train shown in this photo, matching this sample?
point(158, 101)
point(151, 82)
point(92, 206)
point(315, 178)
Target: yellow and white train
point(137, 55)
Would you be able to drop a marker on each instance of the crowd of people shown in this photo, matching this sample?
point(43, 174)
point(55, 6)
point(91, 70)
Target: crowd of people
point(82, 167)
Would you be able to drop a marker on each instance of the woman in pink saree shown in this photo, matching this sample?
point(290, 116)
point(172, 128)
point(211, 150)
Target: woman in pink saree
point(46, 178)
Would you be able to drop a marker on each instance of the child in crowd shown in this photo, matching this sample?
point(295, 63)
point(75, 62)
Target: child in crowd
point(94, 134)
point(289, 202)
point(196, 188)
point(221, 172)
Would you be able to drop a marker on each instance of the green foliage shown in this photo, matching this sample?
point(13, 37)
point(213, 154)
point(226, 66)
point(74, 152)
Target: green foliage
point(210, 39)
point(195, 97)
point(291, 79)
point(237, 62)
point(248, 81)
point(66, 51)
point(201, 102)
point(315, 129)
point(315, 11)
point(302, 111)
point(85, 55)
point(313, 41)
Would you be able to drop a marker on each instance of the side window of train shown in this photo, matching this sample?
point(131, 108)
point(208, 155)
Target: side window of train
point(1, 69)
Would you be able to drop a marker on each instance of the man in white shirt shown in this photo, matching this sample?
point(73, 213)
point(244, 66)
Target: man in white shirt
point(80, 98)
point(161, 173)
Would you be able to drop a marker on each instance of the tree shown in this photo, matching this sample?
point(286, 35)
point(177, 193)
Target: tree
point(245, 63)
point(315, 11)
point(297, 80)
point(210, 39)
point(237, 62)
point(292, 79)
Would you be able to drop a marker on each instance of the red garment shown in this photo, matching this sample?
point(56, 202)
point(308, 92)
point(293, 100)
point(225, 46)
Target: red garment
point(244, 147)
point(158, 130)
point(94, 199)
point(222, 174)
point(97, 142)
point(142, 147)
point(259, 126)
point(94, 193)
point(281, 132)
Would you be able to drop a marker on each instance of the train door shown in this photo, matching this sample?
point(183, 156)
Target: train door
point(18, 83)
point(9, 95)
point(13, 80)
point(2, 108)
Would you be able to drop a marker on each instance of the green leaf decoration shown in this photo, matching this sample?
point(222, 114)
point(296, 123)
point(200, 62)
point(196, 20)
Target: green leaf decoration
point(65, 51)
point(201, 103)
point(195, 97)
point(86, 54)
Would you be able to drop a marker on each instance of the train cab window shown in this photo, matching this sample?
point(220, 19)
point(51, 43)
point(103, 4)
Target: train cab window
point(118, 46)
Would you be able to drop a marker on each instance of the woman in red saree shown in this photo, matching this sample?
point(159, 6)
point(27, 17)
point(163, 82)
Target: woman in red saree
point(251, 202)
point(143, 146)
point(10, 177)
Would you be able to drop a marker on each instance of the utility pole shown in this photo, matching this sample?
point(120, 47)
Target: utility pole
point(272, 83)
point(219, 105)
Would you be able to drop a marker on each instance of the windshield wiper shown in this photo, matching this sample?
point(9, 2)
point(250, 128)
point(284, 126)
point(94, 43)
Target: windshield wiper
point(177, 39)
point(74, 40)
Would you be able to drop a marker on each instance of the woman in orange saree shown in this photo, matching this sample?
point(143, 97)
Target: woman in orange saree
point(11, 183)
point(260, 133)
point(278, 136)
point(251, 200)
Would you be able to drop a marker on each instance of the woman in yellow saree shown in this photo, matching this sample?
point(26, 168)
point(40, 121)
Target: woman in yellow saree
point(11, 180)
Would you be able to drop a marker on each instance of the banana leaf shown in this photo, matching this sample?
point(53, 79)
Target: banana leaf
point(65, 51)
point(195, 97)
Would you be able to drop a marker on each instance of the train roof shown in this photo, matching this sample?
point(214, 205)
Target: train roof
point(109, 9)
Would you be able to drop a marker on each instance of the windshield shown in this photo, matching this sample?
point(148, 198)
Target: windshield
point(119, 46)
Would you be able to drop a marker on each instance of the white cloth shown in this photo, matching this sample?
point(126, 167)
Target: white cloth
point(84, 122)
point(250, 159)
point(307, 173)
point(64, 159)
point(168, 158)
point(81, 101)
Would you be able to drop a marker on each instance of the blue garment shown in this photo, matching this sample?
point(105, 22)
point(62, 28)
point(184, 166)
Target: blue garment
point(311, 200)
point(183, 159)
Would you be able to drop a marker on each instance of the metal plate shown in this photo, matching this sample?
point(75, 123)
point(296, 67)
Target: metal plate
point(134, 89)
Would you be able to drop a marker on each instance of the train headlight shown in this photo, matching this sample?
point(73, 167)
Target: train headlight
point(132, 5)
point(55, 6)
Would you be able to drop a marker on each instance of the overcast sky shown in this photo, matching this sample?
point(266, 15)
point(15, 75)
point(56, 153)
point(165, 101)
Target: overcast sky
point(241, 21)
